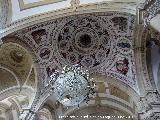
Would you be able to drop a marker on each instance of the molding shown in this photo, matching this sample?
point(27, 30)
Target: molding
point(13, 91)
point(105, 103)
point(12, 73)
point(5, 13)
point(81, 9)
point(24, 6)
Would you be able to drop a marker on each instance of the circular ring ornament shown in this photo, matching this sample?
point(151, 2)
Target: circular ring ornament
point(86, 37)
point(85, 40)
point(45, 53)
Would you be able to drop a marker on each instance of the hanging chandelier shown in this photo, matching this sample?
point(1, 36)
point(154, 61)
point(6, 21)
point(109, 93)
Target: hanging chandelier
point(72, 85)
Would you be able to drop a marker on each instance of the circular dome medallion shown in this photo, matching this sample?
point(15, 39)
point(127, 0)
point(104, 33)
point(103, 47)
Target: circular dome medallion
point(85, 40)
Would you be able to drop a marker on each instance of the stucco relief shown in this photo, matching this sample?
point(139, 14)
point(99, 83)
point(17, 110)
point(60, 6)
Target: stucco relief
point(91, 40)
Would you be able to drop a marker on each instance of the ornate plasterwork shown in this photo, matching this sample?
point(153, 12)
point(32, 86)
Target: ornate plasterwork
point(144, 37)
point(148, 10)
point(151, 116)
point(108, 49)
point(128, 7)
point(149, 101)
point(18, 76)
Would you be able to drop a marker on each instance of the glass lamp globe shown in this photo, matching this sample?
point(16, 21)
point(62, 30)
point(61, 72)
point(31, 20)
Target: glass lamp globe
point(71, 86)
point(71, 89)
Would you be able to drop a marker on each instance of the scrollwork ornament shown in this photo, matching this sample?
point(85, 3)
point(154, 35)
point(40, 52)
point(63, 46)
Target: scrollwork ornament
point(143, 107)
point(88, 39)
point(152, 97)
point(152, 116)
point(151, 8)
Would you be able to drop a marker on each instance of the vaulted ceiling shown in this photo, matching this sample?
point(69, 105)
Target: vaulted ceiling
point(42, 36)
point(101, 42)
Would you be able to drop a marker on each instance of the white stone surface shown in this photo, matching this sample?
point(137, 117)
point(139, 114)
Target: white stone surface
point(31, 1)
point(155, 22)
point(17, 14)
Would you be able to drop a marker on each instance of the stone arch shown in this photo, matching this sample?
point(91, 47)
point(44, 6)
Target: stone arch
point(17, 59)
point(150, 44)
point(96, 113)
point(8, 78)
point(19, 41)
point(17, 64)
point(47, 109)
point(140, 53)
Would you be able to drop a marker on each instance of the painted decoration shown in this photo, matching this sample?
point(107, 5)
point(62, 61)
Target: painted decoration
point(45, 53)
point(39, 35)
point(101, 42)
point(122, 66)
